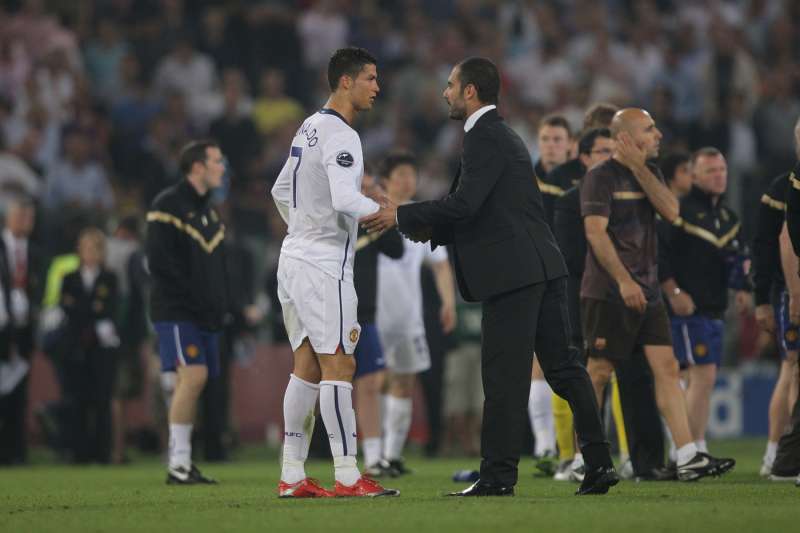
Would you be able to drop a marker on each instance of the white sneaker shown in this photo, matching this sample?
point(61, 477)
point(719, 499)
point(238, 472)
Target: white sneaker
point(577, 470)
point(626, 470)
point(563, 472)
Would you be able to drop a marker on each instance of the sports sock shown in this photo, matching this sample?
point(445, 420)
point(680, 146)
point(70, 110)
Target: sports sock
point(298, 421)
point(398, 422)
point(619, 419)
point(372, 450)
point(336, 404)
point(673, 450)
point(686, 453)
point(540, 410)
point(562, 415)
point(701, 445)
point(180, 445)
point(772, 450)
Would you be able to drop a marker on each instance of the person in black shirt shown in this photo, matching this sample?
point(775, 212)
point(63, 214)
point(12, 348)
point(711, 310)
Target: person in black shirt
point(772, 309)
point(188, 302)
point(370, 365)
point(554, 138)
point(704, 259)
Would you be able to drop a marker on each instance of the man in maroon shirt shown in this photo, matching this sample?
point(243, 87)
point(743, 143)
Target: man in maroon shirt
point(621, 301)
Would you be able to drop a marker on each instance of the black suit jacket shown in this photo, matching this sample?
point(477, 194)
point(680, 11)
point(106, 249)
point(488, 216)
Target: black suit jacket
point(23, 337)
point(493, 216)
point(83, 309)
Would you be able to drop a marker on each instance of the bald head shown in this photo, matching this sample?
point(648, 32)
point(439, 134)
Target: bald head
point(640, 126)
point(627, 119)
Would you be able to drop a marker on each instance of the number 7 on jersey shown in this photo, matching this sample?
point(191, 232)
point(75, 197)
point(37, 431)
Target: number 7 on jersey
point(297, 152)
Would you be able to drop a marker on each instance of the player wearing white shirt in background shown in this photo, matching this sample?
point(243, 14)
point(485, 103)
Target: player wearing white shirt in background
point(318, 195)
point(399, 315)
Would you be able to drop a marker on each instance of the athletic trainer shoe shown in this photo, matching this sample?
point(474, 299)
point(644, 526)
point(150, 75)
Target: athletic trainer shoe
point(305, 488)
point(364, 487)
point(183, 476)
point(703, 465)
point(577, 472)
point(563, 471)
point(781, 478)
point(546, 463)
point(381, 469)
point(399, 466)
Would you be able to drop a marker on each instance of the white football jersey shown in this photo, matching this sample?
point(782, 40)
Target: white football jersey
point(400, 290)
point(318, 193)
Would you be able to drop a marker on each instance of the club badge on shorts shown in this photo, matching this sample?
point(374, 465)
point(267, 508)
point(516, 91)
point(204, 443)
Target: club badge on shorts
point(192, 351)
point(701, 350)
point(354, 335)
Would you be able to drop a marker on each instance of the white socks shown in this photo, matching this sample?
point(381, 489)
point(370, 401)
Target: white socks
point(772, 451)
point(336, 404)
point(686, 453)
point(372, 450)
point(540, 410)
point(397, 421)
point(701, 445)
point(298, 420)
point(180, 446)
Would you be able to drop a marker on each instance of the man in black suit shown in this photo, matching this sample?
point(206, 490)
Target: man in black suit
point(22, 285)
point(506, 257)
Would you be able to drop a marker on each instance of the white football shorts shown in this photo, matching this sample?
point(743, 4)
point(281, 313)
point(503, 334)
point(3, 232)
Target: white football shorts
point(406, 353)
point(318, 307)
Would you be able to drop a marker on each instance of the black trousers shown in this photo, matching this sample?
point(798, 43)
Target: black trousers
point(13, 434)
point(787, 459)
point(642, 417)
point(89, 380)
point(514, 325)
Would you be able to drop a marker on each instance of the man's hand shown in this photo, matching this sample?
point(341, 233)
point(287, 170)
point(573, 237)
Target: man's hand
point(743, 302)
point(447, 316)
point(628, 153)
point(384, 219)
point(633, 295)
point(765, 317)
point(682, 304)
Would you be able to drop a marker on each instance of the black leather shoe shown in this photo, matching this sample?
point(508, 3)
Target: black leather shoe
point(659, 474)
point(484, 489)
point(598, 481)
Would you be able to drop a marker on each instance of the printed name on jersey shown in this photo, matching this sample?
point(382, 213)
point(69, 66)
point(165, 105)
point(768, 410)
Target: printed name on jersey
point(345, 159)
point(309, 133)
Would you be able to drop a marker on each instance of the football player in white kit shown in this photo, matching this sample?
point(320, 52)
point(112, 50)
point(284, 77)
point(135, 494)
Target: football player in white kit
point(399, 315)
point(318, 195)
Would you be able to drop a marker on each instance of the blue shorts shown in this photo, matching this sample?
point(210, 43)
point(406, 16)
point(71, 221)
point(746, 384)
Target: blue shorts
point(369, 352)
point(788, 335)
point(183, 343)
point(697, 340)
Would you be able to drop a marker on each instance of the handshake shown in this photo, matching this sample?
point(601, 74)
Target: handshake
point(386, 218)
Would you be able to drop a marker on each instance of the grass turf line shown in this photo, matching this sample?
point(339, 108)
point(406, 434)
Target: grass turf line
point(62, 499)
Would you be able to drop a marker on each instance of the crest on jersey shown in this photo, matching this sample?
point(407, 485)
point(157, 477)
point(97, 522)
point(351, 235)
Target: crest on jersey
point(701, 350)
point(354, 335)
point(345, 159)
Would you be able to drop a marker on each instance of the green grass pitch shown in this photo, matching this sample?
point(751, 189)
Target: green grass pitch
point(61, 499)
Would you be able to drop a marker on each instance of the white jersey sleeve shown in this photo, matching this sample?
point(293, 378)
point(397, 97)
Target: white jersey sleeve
point(282, 191)
point(343, 162)
point(435, 256)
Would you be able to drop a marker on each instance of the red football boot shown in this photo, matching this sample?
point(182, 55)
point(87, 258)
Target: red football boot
point(364, 487)
point(307, 488)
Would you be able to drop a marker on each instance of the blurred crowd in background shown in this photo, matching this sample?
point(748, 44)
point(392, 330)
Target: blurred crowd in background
point(98, 96)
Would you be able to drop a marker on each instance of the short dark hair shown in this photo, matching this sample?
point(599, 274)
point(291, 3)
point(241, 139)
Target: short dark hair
point(394, 160)
point(599, 115)
point(706, 151)
point(348, 62)
point(588, 139)
point(555, 121)
point(482, 74)
point(669, 164)
point(194, 152)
